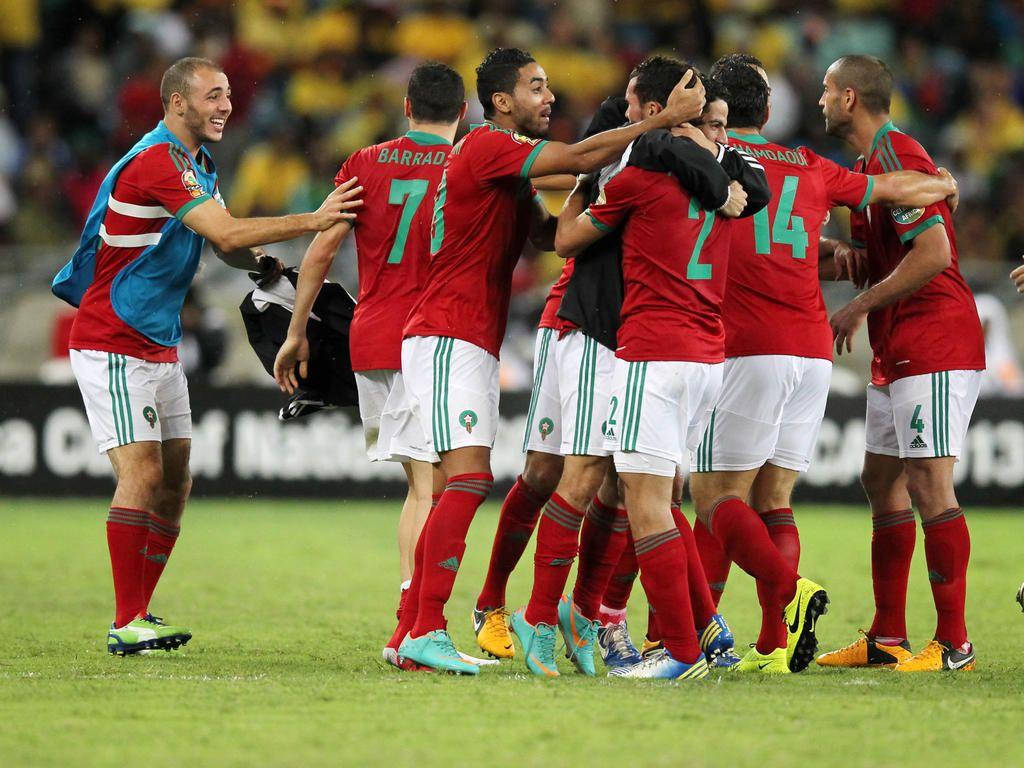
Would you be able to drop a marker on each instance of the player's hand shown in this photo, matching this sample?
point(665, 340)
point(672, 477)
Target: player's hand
point(339, 205)
point(851, 264)
point(737, 201)
point(1018, 278)
point(696, 135)
point(952, 200)
point(294, 351)
point(686, 101)
point(268, 268)
point(844, 324)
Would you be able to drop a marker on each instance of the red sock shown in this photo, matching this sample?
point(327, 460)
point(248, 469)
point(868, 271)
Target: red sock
point(620, 585)
point(162, 536)
point(602, 541)
point(445, 534)
point(411, 597)
point(700, 596)
point(947, 550)
point(127, 532)
point(712, 557)
point(784, 534)
point(662, 558)
point(892, 549)
point(516, 522)
point(653, 633)
point(746, 542)
point(558, 540)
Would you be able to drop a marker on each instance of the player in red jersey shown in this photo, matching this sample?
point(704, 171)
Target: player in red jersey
point(778, 344)
point(929, 353)
point(139, 252)
point(399, 178)
point(483, 212)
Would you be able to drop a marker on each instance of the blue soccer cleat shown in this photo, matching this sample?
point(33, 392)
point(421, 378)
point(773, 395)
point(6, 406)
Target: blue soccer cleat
point(436, 650)
point(661, 666)
point(716, 641)
point(580, 635)
point(617, 648)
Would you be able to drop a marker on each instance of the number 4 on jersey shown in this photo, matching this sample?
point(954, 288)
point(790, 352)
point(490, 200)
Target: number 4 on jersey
point(787, 229)
point(407, 193)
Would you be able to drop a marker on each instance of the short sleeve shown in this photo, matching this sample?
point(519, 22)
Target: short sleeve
point(503, 154)
point(167, 175)
point(844, 187)
point(613, 203)
point(910, 222)
point(347, 170)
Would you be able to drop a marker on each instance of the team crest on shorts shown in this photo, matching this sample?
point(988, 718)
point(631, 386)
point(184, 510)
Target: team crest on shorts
point(545, 427)
point(907, 215)
point(191, 183)
point(468, 419)
point(149, 414)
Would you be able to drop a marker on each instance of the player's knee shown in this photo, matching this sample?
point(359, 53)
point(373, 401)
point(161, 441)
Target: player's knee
point(927, 482)
point(542, 473)
point(182, 487)
point(876, 484)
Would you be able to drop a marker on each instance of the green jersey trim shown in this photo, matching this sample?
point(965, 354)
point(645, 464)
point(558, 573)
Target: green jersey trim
point(425, 139)
point(598, 224)
point(180, 213)
point(750, 138)
point(878, 136)
point(930, 221)
point(867, 194)
point(528, 163)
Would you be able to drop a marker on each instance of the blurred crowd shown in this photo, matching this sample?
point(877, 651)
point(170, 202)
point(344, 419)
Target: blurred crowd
point(313, 80)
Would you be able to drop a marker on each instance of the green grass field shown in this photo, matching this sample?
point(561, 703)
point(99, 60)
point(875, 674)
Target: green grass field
point(290, 603)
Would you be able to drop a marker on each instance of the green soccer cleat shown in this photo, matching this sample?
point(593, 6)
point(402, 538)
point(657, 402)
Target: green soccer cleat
point(436, 650)
point(580, 635)
point(538, 644)
point(808, 604)
point(773, 663)
point(147, 633)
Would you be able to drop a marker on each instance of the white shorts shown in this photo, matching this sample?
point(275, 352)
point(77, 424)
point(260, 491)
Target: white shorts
point(658, 412)
point(129, 400)
point(770, 410)
point(391, 431)
point(920, 417)
point(452, 387)
point(572, 388)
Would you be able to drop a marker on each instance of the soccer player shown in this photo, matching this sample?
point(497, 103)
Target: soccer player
point(483, 212)
point(778, 343)
point(400, 178)
point(929, 353)
point(667, 374)
point(139, 252)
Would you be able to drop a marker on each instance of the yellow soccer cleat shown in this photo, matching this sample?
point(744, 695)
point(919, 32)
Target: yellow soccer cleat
point(801, 616)
point(773, 663)
point(937, 656)
point(866, 652)
point(492, 635)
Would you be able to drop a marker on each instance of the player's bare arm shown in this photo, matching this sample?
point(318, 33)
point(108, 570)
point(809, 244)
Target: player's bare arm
point(930, 255)
point(263, 267)
point(1017, 276)
point(684, 104)
point(313, 270)
point(560, 182)
point(542, 227)
point(914, 189)
point(838, 260)
point(576, 229)
point(227, 234)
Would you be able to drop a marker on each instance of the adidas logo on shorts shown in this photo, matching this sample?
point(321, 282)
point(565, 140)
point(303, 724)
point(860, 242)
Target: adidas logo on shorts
point(917, 442)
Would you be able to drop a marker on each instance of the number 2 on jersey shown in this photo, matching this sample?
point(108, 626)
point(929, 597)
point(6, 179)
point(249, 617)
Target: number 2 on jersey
point(407, 193)
point(787, 229)
point(695, 269)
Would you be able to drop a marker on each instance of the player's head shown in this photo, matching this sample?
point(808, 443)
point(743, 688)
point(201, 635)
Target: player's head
point(650, 84)
point(854, 84)
point(748, 91)
point(436, 94)
point(195, 93)
point(512, 86)
point(715, 117)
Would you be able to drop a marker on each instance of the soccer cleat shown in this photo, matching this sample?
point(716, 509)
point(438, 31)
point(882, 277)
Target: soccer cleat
point(146, 633)
point(808, 604)
point(938, 656)
point(773, 663)
point(491, 629)
point(716, 641)
point(1020, 596)
point(436, 650)
point(538, 644)
point(866, 652)
point(400, 662)
point(651, 647)
point(661, 666)
point(617, 649)
point(580, 635)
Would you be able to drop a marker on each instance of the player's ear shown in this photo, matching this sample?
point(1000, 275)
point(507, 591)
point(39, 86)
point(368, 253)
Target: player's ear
point(408, 108)
point(463, 111)
point(502, 102)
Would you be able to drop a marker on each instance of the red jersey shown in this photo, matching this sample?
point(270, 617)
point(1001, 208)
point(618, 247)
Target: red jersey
point(152, 187)
point(482, 215)
point(936, 328)
point(773, 303)
point(399, 180)
point(674, 259)
point(549, 317)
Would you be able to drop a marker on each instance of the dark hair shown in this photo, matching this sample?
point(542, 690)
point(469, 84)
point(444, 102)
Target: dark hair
point(713, 90)
point(736, 58)
point(498, 73)
point(176, 78)
point(656, 76)
point(747, 92)
point(868, 76)
point(436, 93)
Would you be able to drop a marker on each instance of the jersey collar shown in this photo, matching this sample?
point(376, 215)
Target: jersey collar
point(205, 158)
point(425, 139)
point(749, 138)
point(878, 137)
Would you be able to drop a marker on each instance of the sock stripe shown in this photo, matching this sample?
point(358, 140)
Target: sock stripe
point(950, 514)
point(890, 519)
point(648, 543)
point(566, 519)
point(528, 492)
point(602, 517)
point(160, 526)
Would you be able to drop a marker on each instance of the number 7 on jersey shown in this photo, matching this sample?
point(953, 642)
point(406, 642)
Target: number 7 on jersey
point(407, 193)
